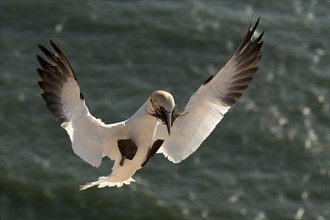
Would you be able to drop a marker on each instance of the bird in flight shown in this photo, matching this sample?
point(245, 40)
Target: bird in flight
point(157, 126)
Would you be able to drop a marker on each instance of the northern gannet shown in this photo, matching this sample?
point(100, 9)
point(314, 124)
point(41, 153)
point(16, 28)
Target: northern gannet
point(157, 126)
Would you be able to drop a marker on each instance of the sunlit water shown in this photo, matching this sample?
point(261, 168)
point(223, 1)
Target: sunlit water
point(267, 159)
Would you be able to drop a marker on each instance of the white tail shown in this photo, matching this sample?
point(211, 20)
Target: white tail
point(104, 181)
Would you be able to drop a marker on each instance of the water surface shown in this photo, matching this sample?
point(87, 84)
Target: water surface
point(267, 159)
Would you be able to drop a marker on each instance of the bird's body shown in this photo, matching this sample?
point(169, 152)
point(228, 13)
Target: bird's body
point(133, 143)
point(156, 127)
point(141, 137)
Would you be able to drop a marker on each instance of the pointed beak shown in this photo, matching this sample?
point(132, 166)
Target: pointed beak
point(168, 121)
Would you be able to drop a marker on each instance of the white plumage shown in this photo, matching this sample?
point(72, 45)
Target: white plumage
point(156, 126)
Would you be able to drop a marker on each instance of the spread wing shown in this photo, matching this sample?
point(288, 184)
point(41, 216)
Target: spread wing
point(61, 92)
point(213, 99)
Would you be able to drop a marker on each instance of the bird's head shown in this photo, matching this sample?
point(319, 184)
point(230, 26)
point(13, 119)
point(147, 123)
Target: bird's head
point(162, 108)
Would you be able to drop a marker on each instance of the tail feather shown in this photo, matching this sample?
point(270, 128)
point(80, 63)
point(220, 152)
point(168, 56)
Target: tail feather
point(105, 181)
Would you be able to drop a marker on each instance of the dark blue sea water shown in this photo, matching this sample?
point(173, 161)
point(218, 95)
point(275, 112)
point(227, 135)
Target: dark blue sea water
point(267, 159)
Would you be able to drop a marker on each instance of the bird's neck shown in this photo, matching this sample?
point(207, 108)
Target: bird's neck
point(142, 116)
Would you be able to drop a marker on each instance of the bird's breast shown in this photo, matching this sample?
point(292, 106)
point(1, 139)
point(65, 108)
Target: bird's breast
point(139, 138)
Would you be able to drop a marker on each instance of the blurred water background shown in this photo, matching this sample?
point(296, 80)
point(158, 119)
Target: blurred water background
point(267, 159)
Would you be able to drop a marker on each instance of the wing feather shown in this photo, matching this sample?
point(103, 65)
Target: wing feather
point(213, 99)
point(89, 136)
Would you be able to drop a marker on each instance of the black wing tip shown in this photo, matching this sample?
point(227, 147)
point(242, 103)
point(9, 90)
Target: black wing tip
point(61, 55)
point(255, 25)
point(40, 59)
point(48, 54)
point(44, 48)
point(248, 43)
point(247, 40)
point(252, 29)
point(258, 39)
point(56, 48)
point(41, 47)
